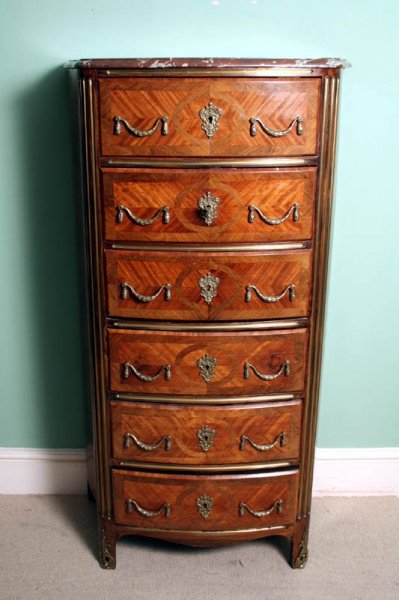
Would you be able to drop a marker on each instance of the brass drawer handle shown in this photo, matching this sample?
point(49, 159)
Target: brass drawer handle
point(294, 210)
point(121, 210)
point(282, 438)
point(208, 204)
point(128, 438)
point(127, 367)
point(126, 288)
point(284, 369)
point(273, 132)
point(132, 504)
point(277, 506)
point(118, 121)
point(270, 299)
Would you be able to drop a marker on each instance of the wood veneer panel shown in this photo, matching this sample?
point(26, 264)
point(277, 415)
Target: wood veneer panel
point(273, 191)
point(275, 101)
point(148, 351)
point(181, 492)
point(178, 427)
point(272, 273)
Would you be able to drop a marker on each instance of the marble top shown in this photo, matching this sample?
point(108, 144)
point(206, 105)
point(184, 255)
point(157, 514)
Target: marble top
point(208, 63)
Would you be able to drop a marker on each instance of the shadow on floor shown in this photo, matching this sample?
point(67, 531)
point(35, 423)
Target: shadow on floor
point(81, 517)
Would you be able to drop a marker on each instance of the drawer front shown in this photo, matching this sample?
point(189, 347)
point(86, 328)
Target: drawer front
point(208, 286)
point(172, 205)
point(210, 503)
point(209, 117)
point(197, 435)
point(207, 363)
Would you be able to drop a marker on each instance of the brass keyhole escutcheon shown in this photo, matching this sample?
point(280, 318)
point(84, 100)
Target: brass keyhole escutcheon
point(210, 116)
point(205, 505)
point(209, 285)
point(208, 204)
point(205, 437)
point(207, 366)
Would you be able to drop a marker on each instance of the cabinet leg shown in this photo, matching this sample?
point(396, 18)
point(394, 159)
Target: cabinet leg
point(299, 544)
point(107, 550)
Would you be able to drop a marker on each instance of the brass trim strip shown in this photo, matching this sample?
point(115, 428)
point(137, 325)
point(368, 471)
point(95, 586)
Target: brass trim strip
point(201, 533)
point(152, 466)
point(244, 326)
point(94, 254)
point(276, 246)
point(199, 72)
point(200, 399)
point(97, 428)
point(103, 433)
point(322, 235)
point(182, 163)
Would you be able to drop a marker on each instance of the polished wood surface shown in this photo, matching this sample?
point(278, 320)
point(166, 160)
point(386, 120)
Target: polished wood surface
point(263, 424)
point(270, 272)
point(174, 354)
point(275, 101)
point(206, 539)
point(148, 351)
point(145, 191)
point(182, 492)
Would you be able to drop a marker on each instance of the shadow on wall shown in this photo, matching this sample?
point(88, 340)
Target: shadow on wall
point(51, 232)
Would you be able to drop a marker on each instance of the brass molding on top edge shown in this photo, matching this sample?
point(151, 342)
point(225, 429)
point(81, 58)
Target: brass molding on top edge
point(275, 246)
point(156, 466)
point(199, 72)
point(197, 533)
point(202, 400)
point(185, 326)
point(207, 162)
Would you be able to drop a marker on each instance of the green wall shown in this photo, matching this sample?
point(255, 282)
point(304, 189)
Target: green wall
point(41, 352)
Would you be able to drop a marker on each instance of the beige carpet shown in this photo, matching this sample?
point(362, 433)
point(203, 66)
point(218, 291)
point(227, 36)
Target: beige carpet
point(47, 551)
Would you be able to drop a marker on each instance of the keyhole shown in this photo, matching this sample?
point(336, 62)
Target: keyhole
point(210, 119)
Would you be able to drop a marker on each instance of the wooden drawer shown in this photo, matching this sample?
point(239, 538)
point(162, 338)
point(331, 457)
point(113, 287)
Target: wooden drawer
point(130, 108)
point(197, 435)
point(208, 286)
point(207, 363)
point(207, 503)
point(247, 205)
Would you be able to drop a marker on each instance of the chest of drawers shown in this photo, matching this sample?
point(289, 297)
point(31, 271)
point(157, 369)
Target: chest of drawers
point(208, 187)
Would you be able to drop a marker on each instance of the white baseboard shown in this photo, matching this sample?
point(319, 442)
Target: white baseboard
point(338, 471)
point(38, 471)
point(356, 472)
